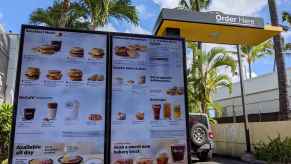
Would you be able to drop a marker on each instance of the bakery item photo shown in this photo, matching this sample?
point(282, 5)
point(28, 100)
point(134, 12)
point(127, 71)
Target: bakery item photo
point(77, 52)
point(32, 73)
point(96, 77)
point(75, 74)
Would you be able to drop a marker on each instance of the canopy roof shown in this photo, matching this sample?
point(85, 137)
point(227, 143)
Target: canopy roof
point(215, 27)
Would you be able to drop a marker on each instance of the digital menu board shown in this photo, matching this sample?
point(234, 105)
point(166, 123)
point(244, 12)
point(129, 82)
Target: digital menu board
point(61, 97)
point(148, 111)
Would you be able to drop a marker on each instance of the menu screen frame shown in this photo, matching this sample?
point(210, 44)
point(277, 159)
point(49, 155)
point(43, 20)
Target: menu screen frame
point(184, 63)
point(18, 82)
point(108, 88)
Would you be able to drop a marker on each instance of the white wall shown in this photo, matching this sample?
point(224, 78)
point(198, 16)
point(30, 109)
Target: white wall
point(261, 96)
point(3, 62)
point(12, 66)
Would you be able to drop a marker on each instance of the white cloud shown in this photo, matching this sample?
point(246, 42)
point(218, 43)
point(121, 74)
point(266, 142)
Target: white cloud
point(238, 7)
point(143, 12)
point(287, 35)
point(137, 30)
point(108, 27)
point(167, 3)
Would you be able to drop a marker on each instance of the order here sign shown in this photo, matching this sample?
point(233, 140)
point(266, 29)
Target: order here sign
point(95, 97)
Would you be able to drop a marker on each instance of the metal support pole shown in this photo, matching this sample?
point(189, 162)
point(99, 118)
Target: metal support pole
point(247, 132)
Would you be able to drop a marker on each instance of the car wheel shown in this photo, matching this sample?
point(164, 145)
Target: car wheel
point(199, 134)
point(205, 156)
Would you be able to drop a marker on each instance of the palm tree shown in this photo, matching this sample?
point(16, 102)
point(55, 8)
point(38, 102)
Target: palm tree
point(252, 53)
point(280, 63)
point(61, 14)
point(194, 5)
point(205, 78)
point(100, 11)
point(286, 17)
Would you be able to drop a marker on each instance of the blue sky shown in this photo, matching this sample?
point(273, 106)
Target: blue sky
point(14, 13)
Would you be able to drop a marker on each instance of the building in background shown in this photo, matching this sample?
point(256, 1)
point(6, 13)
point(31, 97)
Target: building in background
point(9, 44)
point(4, 58)
point(262, 98)
point(12, 66)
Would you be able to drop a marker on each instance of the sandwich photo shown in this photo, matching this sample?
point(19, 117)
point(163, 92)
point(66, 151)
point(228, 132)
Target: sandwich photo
point(75, 74)
point(96, 53)
point(54, 75)
point(77, 52)
point(32, 73)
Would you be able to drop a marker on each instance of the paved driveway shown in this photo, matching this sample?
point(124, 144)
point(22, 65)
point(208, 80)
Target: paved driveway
point(220, 160)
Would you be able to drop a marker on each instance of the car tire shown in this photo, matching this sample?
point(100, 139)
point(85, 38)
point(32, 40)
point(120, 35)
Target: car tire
point(205, 156)
point(199, 134)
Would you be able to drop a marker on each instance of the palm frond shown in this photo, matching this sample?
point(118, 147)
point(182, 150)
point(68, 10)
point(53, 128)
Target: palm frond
point(124, 10)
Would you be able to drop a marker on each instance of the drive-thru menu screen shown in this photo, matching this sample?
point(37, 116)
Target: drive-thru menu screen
point(148, 115)
point(61, 99)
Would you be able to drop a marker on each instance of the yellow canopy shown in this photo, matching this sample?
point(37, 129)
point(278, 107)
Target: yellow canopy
point(220, 33)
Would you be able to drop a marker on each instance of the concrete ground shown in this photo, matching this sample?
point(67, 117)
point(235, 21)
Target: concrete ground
point(219, 160)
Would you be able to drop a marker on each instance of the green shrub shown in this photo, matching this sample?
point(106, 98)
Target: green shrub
point(5, 127)
point(276, 150)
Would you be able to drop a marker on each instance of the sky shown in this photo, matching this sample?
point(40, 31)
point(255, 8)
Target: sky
point(13, 13)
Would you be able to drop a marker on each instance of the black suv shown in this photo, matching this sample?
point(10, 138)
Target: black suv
point(201, 136)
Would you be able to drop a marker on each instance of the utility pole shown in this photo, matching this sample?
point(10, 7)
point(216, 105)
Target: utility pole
point(242, 88)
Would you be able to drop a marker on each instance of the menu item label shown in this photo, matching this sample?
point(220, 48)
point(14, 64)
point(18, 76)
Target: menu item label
point(148, 121)
point(61, 97)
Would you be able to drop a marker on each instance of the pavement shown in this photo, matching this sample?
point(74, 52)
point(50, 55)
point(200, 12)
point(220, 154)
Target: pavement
point(219, 160)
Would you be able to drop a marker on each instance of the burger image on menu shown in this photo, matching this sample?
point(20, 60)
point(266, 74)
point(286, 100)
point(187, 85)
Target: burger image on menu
point(96, 77)
point(96, 53)
point(49, 49)
point(32, 73)
point(77, 52)
point(75, 74)
point(54, 75)
point(131, 51)
point(41, 161)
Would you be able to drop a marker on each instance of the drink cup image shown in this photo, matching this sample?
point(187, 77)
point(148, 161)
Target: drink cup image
point(177, 111)
point(162, 158)
point(156, 111)
point(57, 45)
point(167, 113)
point(72, 108)
point(52, 110)
point(178, 152)
point(28, 114)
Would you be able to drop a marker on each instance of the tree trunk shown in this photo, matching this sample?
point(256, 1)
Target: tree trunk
point(250, 70)
point(197, 5)
point(281, 70)
point(63, 19)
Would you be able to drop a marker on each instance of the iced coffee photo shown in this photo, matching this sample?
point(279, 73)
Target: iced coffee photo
point(156, 111)
point(177, 152)
point(167, 111)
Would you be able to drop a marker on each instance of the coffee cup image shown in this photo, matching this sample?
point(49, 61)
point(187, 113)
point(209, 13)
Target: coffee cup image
point(28, 114)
